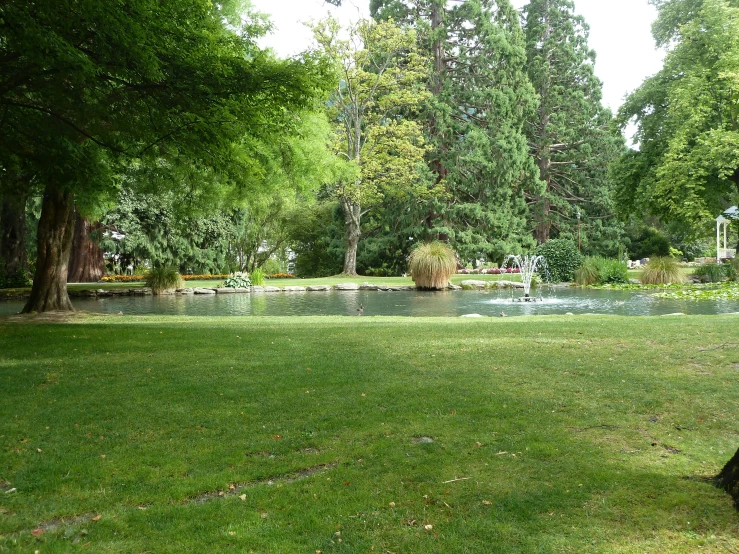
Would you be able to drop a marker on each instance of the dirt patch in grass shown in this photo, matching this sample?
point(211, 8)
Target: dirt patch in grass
point(49, 317)
point(235, 489)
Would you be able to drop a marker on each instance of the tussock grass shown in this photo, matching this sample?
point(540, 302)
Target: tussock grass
point(431, 265)
point(662, 271)
point(581, 434)
point(164, 279)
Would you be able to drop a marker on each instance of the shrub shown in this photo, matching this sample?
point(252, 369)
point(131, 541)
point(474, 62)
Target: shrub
point(562, 259)
point(712, 273)
point(164, 278)
point(257, 277)
point(613, 271)
point(17, 279)
point(649, 242)
point(238, 280)
point(661, 271)
point(599, 271)
point(732, 271)
point(588, 273)
point(431, 265)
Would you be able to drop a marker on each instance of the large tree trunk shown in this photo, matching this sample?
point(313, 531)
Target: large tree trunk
point(86, 262)
point(728, 479)
point(543, 226)
point(13, 233)
point(55, 232)
point(352, 215)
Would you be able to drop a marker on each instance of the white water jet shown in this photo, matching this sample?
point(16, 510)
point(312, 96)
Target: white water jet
point(527, 265)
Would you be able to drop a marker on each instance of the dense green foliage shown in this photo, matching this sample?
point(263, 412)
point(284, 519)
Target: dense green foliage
point(649, 242)
point(715, 273)
point(238, 281)
point(257, 277)
point(601, 271)
point(570, 135)
point(687, 167)
point(661, 271)
point(562, 260)
point(431, 265)
point(380, 73)
point(177, 90)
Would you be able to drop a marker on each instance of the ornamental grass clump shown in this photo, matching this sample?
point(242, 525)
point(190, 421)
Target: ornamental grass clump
point(164, 279)
point(601, 271)
point(661, 271)
point(257, 277)
point(711, 273)
point(431, 265)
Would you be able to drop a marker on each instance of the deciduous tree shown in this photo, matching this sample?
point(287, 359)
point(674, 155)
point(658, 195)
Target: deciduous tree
point(87, 87)
point(381, 76)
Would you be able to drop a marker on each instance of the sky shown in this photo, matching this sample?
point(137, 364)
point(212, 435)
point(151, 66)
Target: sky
point(620, 34)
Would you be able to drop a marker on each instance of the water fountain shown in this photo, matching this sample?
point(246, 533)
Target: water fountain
point(527, 265)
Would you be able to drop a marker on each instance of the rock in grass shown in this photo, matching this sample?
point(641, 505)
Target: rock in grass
point(185, 291)
point(293, 289)
point(225, 290)
point(272, 289)
point(318, 288)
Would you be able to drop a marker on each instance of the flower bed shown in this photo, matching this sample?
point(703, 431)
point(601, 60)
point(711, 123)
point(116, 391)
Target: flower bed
point(137, 278)
point(280, 276)
point(489, 271)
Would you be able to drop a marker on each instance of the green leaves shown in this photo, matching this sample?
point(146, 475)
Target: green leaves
point(687, 116)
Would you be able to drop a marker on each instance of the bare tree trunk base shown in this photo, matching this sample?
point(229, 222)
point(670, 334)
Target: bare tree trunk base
point(728, 479)
point(55, 232)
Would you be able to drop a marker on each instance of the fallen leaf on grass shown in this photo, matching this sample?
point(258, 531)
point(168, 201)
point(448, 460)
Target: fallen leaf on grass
point(36, 532)
point(243, 497)
point(97, 517)
point(486, 502)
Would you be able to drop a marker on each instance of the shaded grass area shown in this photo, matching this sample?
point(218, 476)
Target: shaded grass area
point(587, 434)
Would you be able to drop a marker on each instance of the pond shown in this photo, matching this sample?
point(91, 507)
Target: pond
point(398, 303)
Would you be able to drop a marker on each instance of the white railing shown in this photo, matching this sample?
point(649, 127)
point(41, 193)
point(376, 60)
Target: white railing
point(724, 253)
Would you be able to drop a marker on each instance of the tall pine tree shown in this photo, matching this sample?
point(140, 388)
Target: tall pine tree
point(481, 98)
point(570, 135)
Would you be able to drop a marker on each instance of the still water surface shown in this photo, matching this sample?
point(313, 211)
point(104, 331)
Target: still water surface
point(405, 303)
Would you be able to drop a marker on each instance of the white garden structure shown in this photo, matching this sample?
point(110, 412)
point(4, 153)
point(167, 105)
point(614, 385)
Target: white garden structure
point(722, 224)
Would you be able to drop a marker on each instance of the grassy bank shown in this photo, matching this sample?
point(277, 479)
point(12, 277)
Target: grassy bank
point(389, 281)
point(277, 435)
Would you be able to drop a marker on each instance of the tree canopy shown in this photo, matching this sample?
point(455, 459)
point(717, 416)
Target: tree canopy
point(86, 87)
point(687, 166)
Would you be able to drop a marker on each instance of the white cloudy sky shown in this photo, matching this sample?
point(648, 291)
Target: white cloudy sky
point(619, 33)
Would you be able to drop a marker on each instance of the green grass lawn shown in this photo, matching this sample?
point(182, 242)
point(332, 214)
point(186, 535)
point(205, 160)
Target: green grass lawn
point(361, 435)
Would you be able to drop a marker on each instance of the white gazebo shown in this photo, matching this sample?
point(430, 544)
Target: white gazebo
point(723, 221)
